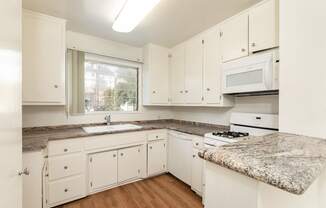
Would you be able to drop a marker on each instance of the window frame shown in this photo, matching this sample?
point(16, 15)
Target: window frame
point(124, 63)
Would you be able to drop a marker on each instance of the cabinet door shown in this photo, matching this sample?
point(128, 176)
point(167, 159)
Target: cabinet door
point(194, 71)
point(234, 38)
point(212, 67)
point(103, 169)
point(159, 74)
point(156, 157)
point(197, 172)
point(180, 156)
point(129, 163)
point(32, 183)
point(178, 74)
point(263, 26)
point(43, 60)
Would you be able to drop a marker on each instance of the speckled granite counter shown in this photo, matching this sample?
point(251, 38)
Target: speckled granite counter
point(289, 162)
point(37, 138)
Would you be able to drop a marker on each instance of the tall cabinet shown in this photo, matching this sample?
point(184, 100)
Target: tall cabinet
point(43, 59)
point(156, 75)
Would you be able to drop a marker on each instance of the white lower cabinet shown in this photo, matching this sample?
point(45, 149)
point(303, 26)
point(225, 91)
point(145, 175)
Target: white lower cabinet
point(76, 168)
point(197, 172)
point(32, 183)
point(103, 170)
point(129, 164)
point(156, 158)
point(66, 189)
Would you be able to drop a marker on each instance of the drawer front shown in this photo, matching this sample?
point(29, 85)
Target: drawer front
point(66, 165)
point(157, 135)
point(65, 147)
point(62, 191)
point(198, 142)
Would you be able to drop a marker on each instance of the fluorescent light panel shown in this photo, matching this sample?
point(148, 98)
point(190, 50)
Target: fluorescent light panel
point(132, 14)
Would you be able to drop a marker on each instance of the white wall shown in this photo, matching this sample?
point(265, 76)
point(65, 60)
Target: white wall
point(56, 115)
point(259, 104)
point(47, 115)
point(303, 69)
point(104, 47)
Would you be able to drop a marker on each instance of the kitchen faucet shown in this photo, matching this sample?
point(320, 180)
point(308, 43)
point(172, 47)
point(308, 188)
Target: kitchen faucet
point(108, 120)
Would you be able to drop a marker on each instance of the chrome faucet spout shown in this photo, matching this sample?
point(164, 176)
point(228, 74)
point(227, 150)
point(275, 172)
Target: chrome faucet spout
point(108, 120)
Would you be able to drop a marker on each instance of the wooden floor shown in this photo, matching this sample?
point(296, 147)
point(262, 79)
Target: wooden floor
point(158, 192)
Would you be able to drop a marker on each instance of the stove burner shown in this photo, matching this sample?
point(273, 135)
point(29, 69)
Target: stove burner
point(230, 134)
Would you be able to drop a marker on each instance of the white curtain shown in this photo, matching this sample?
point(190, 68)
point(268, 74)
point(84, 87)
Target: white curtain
point(76, 70)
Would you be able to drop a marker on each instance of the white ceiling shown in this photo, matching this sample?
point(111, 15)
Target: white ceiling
point(171, 21)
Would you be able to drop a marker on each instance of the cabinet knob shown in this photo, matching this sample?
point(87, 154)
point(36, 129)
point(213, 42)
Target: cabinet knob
point(154, 92)
point(208, 89)
point(197, 143)
point(114, 155)
point(121, 154)
point(181, 91)
point(150, 147)
point(193, 156)
point(66, 167)
point(253, 44)
point(186, 91)
point(56, 86)
point(65, 150)
point(156, 137)
point(243, 50)
point(66, 190)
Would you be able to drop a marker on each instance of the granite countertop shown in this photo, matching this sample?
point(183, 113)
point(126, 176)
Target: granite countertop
point(37, 138)
point(289, 162)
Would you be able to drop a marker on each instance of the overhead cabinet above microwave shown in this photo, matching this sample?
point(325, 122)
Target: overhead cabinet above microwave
point(254, 30)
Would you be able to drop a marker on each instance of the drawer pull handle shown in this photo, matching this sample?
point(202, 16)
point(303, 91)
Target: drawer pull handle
point(65, 150)
point(66, 190)
point(66, 167)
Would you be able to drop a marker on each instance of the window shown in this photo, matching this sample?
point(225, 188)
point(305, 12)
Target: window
point(110, 87)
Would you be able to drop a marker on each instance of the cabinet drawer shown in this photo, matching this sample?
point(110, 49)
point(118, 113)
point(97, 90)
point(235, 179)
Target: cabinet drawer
point(65, 147)
point(157, 135)
point(66, 165)
point(62, 191)
point(198, 142)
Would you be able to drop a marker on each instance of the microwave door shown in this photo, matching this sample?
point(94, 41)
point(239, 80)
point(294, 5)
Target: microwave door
point(246, 79)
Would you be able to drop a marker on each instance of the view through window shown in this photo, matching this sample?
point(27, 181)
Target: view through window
point(110, 87)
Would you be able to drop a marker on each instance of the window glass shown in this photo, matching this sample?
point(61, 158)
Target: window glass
point(110, 87)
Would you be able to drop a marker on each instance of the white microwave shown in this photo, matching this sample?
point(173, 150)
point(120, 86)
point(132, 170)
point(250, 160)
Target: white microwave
point(256, 73)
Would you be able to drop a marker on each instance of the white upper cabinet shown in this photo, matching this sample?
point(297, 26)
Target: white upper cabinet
point(156, 75)
point(43, 59)
point(263, 26)
point(194, 71)
point(234, 37)
point(212, 67)
point(178, 74)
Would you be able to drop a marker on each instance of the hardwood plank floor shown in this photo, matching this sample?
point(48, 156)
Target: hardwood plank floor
point(163, 191)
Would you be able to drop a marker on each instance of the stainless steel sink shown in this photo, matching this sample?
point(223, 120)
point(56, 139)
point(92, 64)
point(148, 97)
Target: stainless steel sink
point(110, 128)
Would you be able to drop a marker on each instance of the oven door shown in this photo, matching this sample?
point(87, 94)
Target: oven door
point(251, 74)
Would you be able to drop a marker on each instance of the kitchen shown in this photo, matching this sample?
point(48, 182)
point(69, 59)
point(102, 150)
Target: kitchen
point(148, 104)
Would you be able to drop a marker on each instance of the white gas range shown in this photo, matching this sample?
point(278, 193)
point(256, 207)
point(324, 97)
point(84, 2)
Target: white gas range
point(242, 125)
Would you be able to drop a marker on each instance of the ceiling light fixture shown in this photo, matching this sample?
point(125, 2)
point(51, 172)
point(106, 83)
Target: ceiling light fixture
point(132, 13)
